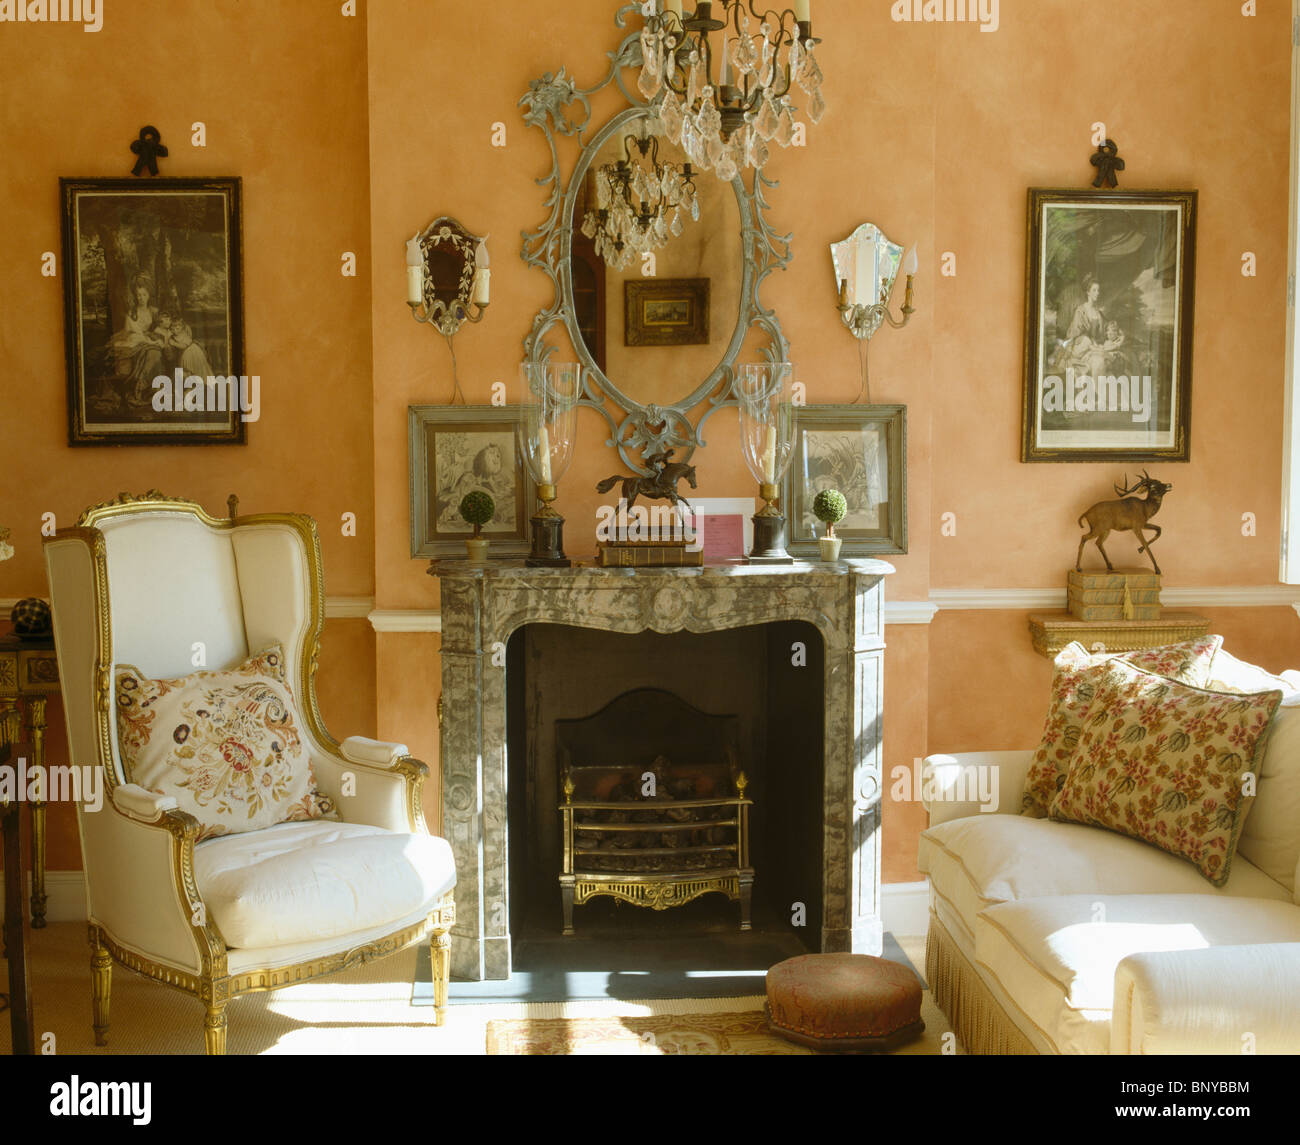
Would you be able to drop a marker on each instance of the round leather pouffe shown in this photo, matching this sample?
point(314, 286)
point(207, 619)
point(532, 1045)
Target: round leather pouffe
point(844, 1002)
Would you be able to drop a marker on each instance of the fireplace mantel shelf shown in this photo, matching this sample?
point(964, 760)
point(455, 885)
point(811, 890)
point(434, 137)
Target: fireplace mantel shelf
point(484, 605)
point(579, 572)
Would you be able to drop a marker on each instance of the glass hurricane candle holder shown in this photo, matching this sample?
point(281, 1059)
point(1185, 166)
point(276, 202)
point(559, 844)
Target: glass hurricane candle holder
point(548, 426)
point(767, 436)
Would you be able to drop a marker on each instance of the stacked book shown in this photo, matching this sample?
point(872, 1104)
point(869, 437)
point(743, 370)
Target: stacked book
point(1116, 594)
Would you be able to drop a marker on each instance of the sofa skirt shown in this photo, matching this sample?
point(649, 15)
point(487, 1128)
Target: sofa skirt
point(980, 1023)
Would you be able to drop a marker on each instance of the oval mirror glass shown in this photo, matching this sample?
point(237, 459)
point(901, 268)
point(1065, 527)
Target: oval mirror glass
point(656, 269)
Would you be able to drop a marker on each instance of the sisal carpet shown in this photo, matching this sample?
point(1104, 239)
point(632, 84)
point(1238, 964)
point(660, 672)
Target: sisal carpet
point(367, 1010)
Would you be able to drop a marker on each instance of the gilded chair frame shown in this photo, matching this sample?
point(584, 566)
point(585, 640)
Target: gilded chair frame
point(213, 984)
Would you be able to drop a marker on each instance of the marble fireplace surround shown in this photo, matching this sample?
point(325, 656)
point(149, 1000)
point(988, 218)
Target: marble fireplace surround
point(483, 606)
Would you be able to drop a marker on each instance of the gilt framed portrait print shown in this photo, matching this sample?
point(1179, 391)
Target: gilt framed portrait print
point(153, 312)
point(1109, 288)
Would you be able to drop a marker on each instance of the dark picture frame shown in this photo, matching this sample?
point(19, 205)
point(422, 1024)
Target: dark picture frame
point(840, 447)
point(666, 312)
point(153, 284)
point(453, 451)
point(1109, 305)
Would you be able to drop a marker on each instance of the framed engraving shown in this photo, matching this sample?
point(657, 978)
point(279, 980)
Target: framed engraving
point(456, 450)
point(1109, 286)
point(154, 312)
point(861, 450)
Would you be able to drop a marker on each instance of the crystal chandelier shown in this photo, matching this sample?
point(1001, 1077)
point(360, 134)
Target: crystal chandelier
point(638, 205)
point(727, 87)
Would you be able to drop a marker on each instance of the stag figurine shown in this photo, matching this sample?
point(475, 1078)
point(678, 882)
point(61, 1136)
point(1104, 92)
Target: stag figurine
point(1129, 514)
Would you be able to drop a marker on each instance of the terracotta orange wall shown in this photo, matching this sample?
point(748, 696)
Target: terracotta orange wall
point(934, 132)
point(282, 91)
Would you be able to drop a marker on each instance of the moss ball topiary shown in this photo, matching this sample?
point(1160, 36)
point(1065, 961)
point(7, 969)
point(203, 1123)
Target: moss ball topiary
point(478, 509)
point(829, 506)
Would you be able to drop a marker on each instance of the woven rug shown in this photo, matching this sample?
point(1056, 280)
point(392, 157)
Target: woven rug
point(717, 1032)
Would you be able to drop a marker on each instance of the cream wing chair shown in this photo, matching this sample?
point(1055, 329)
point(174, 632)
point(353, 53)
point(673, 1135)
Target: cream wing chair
point(145, 581)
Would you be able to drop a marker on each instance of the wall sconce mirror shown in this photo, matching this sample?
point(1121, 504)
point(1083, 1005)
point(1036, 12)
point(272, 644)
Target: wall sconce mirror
point(866, 264)
point(659, 322)
point(447, 282)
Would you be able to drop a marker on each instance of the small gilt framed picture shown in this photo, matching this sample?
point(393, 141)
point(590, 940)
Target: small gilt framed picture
point(666, 312)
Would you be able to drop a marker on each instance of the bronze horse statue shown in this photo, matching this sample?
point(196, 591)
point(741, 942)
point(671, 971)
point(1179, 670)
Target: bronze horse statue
point(663, 485)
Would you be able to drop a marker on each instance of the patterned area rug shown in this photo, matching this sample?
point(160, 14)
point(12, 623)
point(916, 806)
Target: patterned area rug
point(719, 1033)
point(724, 1033)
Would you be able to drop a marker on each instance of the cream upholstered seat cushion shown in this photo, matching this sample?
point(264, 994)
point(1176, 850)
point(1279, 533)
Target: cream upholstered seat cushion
point(318, 880)
point(1056, 957)
point(979, 861)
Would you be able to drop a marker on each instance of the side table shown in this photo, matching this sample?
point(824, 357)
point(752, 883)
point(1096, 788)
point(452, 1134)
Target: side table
point(29, 675)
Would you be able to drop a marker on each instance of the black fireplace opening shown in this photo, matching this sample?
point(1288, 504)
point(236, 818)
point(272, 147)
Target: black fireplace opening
point(670, 788)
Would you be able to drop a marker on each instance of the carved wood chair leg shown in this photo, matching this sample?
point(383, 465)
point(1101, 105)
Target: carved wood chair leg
point(214, 1030)
point(101, 987)
point(440, 957)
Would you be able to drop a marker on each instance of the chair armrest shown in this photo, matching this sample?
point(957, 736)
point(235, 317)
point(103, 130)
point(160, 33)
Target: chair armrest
point(372, 782)
point(1216, 1000)
point(973, 783)
point(135, 801)
point(139, 863)
point(372, 752)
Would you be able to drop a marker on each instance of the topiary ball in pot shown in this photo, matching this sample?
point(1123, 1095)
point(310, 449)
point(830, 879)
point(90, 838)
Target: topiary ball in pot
point(477, 509)
point(830, 506)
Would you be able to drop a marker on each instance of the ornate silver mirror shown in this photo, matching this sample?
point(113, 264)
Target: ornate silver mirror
point(866, 264)
point(656, 267)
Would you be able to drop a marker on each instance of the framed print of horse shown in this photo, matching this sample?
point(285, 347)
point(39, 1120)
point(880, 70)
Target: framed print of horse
point(1109, 285)
point(154, 312)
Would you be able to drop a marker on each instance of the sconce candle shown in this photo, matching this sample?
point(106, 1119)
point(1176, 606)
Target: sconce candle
point(414, 271)
point(910, 263)
point(481, 273)
point(803, 11)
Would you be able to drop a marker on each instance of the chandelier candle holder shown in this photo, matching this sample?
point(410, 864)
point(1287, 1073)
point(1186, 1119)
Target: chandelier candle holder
point(767, 436)
point(547, 431)
point(725, 84)
point(446, 259)
point(636, 206)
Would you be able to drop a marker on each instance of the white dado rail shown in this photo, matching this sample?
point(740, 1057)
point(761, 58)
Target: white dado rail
point(483, 607)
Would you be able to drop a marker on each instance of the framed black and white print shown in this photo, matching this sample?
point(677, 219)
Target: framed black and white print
point(457, 450)
point(153, 299)
point(1109, 283)
point(861, 450)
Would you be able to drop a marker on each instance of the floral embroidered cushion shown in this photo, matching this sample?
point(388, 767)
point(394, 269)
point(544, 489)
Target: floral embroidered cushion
point(1166, 763)
point(1074, 684)
point(228, 745)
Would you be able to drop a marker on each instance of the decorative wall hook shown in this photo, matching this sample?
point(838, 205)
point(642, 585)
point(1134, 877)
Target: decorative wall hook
point(150, 148)
point(1107, 162)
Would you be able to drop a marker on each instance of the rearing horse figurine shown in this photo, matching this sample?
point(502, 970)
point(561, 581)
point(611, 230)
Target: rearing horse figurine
point(663, 485)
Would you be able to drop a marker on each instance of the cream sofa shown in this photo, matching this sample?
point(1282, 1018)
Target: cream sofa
point(1050, 937)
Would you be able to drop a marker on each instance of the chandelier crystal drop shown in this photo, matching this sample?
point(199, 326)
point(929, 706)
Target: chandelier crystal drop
point(726, 87)
point(638, 204)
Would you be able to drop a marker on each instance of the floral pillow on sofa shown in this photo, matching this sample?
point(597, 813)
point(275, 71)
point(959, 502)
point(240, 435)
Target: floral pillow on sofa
point(1167, 764)
point(1074, 687)
point(228, 745)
